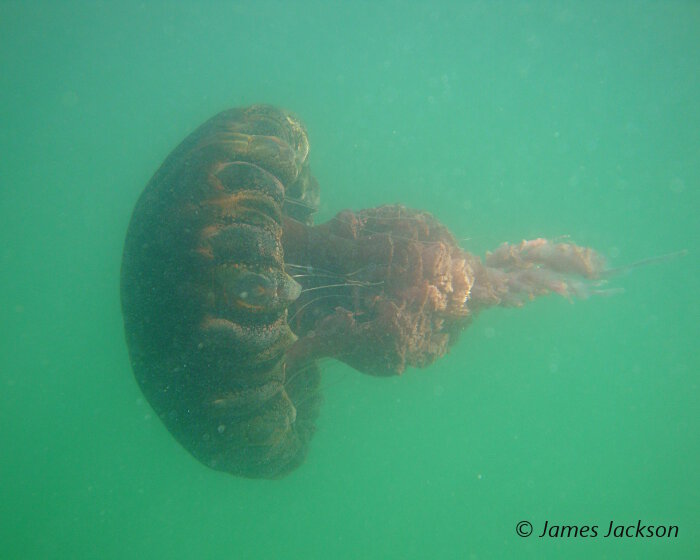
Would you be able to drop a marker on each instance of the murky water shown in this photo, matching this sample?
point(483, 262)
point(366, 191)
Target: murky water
point(506, 121)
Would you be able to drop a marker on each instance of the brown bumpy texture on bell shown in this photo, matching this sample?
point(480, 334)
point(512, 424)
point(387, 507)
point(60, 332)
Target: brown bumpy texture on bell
point(230, 295)
point(205, 293)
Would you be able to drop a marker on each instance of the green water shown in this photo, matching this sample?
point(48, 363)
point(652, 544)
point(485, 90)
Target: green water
point(507, 121)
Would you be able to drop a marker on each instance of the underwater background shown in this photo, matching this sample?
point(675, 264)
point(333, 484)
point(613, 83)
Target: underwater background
point(506, 120)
